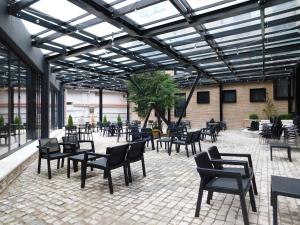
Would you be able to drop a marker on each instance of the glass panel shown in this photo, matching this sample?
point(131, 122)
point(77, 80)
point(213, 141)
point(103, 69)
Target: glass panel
point(153, 13)
point(4, 100)
point(67, 41)
point(60, 9)
point(102, 29)
point(33, 28)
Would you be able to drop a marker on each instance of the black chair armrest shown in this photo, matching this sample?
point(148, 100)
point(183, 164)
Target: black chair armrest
point(41, 148)
point(96, 155)
point(239, 155)
point(219, 173)
point(233, 162)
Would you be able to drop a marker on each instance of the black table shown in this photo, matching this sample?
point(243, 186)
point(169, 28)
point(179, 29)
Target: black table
point(284, 186)
point(76, 159)
point(281, 145)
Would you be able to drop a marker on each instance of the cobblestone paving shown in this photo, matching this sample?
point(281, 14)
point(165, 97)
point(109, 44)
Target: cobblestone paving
point(166, 196)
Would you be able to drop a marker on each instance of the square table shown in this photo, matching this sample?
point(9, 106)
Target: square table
point(284, 186)
point(76, 159)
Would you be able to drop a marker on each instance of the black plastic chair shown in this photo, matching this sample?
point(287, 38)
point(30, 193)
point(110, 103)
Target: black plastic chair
point(134, 154)
point(215, 155)
point(188, 140)
point(49, 149)
point(196, 139)
point(215, 180)
point(114, 158)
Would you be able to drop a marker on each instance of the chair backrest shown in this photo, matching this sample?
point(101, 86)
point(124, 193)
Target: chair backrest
point(203, 161)
point(146, 132)
point(51, 143)
point(70, 139)
point(117, 155)
point(197, 135)
point(136, 151)
point(189, 137)
point(215, 154)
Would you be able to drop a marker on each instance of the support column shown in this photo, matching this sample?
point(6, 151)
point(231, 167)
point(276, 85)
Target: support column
point(169, 115)
point(297, 90)
point(100, 105)
point(31, 113)
point(189, 98)
point(221, 100)
point(52, 108)
point(290, 99)
point(45, 101)
point(128, 108)
point(61, 107)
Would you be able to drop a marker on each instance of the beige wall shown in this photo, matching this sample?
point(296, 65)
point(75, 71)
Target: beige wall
point(233, 113)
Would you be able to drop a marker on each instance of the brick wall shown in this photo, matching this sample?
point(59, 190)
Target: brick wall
point(233, 113)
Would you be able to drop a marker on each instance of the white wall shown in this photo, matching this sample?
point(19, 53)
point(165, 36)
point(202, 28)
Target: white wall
point(114, 103)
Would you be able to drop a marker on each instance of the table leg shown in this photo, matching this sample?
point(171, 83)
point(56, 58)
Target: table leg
point(274, 204)
point(68, 168)
point(289, 154)
point(271, 153)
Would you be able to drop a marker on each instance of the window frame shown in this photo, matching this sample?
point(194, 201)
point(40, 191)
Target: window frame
point(176, 112)
point(208, 97)
point(228, 91)
point(252, 90)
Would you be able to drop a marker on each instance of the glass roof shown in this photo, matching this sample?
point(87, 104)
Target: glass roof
point(130, 36)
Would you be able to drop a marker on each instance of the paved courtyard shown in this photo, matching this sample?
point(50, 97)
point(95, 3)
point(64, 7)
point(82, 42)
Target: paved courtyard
point(166, 196)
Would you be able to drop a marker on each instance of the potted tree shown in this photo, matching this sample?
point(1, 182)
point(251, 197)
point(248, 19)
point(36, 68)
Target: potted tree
point(70, 122)
point(155, 88)
point(104, 121)
point(269, 109)
point(119, 120)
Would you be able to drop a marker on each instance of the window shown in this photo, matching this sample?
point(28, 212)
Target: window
point(69, 103)
point(179, 105)
point(229, 96)
point(203, 97)
point(258, 95)
point(280, 89)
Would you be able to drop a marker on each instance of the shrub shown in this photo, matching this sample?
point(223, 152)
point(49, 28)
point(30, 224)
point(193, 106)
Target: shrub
point(70, 121)
point(17, 120)
point(253, 116)
point(1, 121)
point(119, 119)
point(286, 116)
point(104, 120)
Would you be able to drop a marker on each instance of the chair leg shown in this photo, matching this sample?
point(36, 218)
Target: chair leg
point(200, 146)
point(157, 146)
point(244, 209)
point(209, 197)
point(143, 166)
point(39, 164)
point(58, 162)
point(68, 168)
point(252, 199)
point(129, 173)
point(62, 162)
point(187, 151)
point(49, 169)
point(83, 174)
point(254, 185)
point(125, 174)
point(198, 205)
point(111, 189)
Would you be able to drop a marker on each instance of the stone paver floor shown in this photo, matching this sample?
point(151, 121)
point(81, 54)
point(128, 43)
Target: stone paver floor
point(166, 196)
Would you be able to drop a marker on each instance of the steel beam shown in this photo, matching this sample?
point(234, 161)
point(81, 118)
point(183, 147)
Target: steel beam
point(20, 5)
point(189, 98)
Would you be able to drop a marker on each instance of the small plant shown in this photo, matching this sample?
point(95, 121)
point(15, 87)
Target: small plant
point(70, 121)
point(253, 116)
point(269, 110)
point(119, 119)
point(1, 121)
point(17, 120)
point(104, 121)
point(289, 116)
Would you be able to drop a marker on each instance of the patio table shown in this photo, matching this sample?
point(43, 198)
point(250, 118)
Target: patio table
point(284, 186)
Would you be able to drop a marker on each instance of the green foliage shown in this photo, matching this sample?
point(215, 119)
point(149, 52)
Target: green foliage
point(17, 120)
point(119, 119)
point(269, 110)
point(104, 120)
point(289, 116)
point(70, 121)
point(253, 116)
point(1, 121)
point(159, 89)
